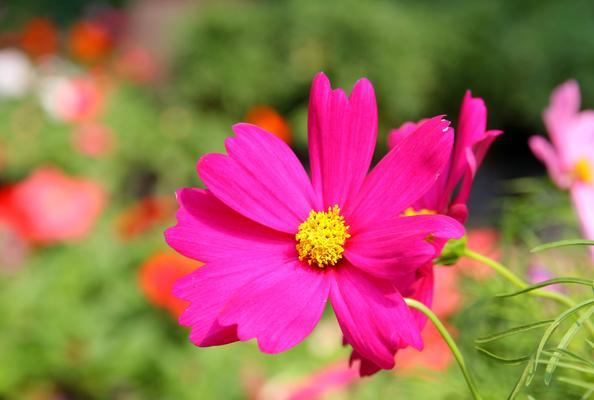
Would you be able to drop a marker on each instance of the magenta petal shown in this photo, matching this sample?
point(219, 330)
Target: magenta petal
point(208, 230)
point(406, 173)
point(342, 134)
point(261, 179)
point(545, 152)
point(372, 315)
point(400, 245)
point(278, 309)
point(209, 288)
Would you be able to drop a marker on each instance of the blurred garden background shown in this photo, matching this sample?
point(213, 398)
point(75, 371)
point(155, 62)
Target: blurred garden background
point(105, 107)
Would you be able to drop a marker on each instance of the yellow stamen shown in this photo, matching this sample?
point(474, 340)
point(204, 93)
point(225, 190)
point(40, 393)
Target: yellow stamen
point(583, 171)
point(321, 237)
point(409, 212)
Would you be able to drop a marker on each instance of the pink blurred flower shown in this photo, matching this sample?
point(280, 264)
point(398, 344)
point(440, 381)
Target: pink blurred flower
point(93, 139)
point(538, 273)
point(138, 65)
point(276, 245)
point(329, 379)
point(50, 206)
point(569, 157)
point(471, 145)
point(72, 99)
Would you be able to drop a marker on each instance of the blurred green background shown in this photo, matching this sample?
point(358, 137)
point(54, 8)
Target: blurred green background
point(79, 319)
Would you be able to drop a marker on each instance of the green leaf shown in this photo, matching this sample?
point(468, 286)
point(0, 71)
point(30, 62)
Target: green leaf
point(549, 282)
point(513, 331)
point(576, 382)
point(521, 380)
point(563, 243)
point(572, 355)
point(562, 317)
point(502, 359)
point(564, 343)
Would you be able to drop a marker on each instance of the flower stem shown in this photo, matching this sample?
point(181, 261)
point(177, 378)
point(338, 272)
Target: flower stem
point(450, 342)
point(516, 280)
point(520, 283)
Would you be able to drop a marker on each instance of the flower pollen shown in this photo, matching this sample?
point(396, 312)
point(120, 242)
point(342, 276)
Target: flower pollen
point(410, 212)
point(321, 237)
point(583, 171)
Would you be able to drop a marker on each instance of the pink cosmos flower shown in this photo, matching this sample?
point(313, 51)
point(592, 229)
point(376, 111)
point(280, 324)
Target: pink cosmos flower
point(277, 246)
point(472, 143)
point(451, 191)
point(569, 157)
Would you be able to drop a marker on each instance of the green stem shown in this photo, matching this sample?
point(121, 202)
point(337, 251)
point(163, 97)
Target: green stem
point(519, 282)
point(516, 280)
point(450, 342)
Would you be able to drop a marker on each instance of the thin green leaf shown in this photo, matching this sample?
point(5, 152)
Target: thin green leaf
point(521, 380)
point(590, 343)
point(576, 382)
point(562, 317)
point(563, 243)
point(513, 331)
point(502, 359)
point(587, 395)
point(549, 282)
point(570, 354)
point(575, 367)
point(564, 343)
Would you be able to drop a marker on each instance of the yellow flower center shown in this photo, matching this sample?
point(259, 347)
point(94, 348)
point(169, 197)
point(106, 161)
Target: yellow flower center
point(321, 237)
point(409, 212)
point(583, 171)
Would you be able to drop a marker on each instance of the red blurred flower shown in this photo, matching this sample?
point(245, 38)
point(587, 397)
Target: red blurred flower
point(157, 276)
point(39, 38)
point(484, 241)
point(268, 119)
point(50, 206)
point(144, 215)
point(138, 65)
point(13, 247)
point(92, 139)
point(90, 41)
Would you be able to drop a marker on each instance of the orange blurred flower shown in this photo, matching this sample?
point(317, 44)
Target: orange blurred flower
point(93, 139)
point(447, 298)
point(157, 276)
point(50, 206)
point(39, 37)
point(486, 242)
point(144, 215)
point(90, 41)
point(268, 119)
